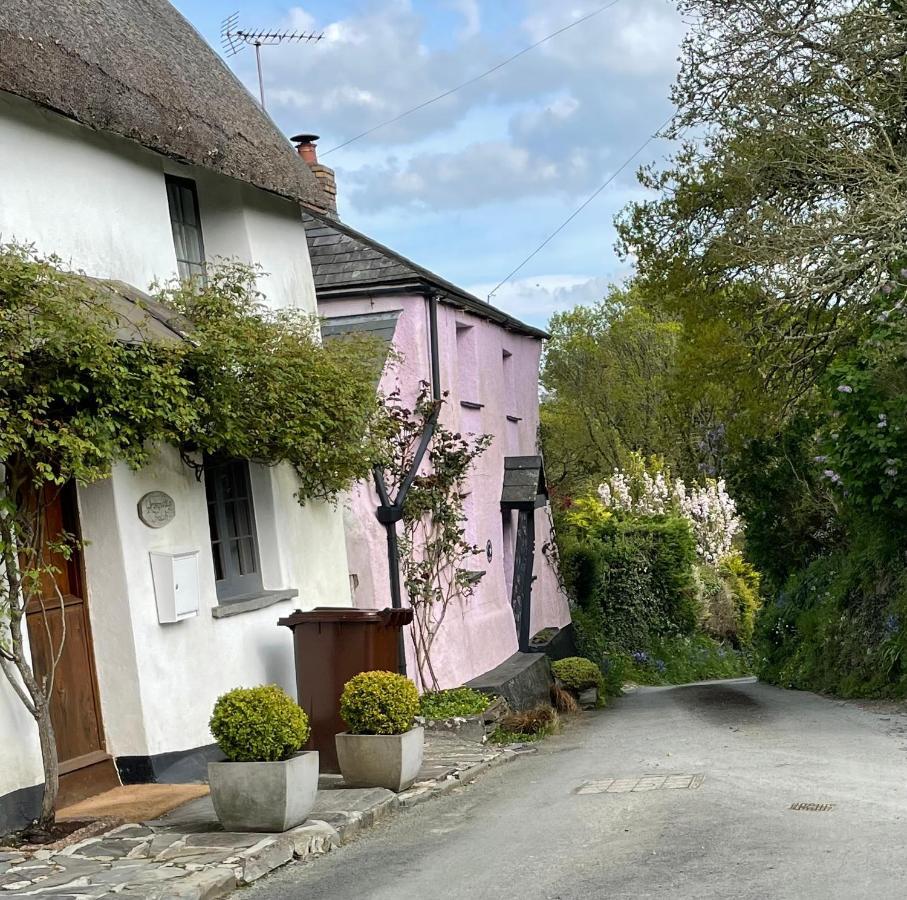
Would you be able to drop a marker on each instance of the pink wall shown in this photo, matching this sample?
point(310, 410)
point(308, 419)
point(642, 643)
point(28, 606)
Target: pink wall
point(479, 633)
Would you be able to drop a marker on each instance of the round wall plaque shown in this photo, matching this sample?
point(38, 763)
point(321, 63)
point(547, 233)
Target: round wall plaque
point(489, 550)
point(157, 509)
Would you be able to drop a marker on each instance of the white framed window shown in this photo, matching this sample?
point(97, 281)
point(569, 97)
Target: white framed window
point(231, 520)
point(182, 198)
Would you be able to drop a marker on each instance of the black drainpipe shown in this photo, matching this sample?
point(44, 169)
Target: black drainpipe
point(389, 512)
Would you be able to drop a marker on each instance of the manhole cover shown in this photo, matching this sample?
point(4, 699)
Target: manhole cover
point(640, 784)
point(812, 807)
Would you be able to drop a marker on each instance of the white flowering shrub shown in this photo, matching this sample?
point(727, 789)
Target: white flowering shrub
point(710, 510)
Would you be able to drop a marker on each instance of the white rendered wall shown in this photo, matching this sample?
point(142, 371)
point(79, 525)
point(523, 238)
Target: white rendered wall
point(182, 667)
point(20, 754)
point(99, 203)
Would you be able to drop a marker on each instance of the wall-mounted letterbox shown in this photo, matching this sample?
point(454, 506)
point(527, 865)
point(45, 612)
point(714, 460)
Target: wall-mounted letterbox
point(175, 584)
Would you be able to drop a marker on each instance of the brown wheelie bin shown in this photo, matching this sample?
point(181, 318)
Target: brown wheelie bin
point(331, 645)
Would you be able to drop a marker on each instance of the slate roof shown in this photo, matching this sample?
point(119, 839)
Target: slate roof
point(345, 262)
point(380, 325)
point(524, 483)
point(138, 69)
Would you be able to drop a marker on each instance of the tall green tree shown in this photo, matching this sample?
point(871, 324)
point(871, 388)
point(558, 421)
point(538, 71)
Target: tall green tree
point(793, 172)
point(605, 375)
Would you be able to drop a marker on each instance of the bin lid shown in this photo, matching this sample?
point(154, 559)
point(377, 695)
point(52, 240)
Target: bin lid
point(390, 618)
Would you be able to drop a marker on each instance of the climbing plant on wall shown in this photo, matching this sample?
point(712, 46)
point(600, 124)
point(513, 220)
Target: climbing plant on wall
point(88, 379)
point(433, 544)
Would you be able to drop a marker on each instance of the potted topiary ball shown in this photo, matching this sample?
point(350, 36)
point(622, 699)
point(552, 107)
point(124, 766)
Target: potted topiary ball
point(381, 748)
point(265, 784)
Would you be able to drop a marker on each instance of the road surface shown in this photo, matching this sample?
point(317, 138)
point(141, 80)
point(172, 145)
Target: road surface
point(726, 761)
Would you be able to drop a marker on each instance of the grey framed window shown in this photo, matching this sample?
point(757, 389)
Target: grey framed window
point(182, 198)
point(231, 519)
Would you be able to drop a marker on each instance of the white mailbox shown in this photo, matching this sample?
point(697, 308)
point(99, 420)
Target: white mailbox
point(175, 584)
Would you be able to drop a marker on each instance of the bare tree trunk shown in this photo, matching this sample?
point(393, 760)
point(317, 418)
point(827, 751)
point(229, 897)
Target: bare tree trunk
point(422, 649)
point(51, 761)
point(15, 660)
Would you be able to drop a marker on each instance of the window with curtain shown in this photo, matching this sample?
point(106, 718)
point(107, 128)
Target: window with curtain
point(182, 198)
point(231, 519)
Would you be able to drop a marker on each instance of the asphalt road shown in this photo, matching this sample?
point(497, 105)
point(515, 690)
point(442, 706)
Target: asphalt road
point(523, 830)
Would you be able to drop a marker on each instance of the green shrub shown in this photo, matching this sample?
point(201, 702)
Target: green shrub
point(717, 604)
point(615, 674)
point(681, 660)
point(577, 673)
point(777, 483)
point(632, 578)
point(379, 703)
point(744, 582)
point(503, 737)
point(838, 626)
point(582, 567)
point(461, 701)
point(260, 724)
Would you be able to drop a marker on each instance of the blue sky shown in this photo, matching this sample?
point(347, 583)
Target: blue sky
point(470, 185)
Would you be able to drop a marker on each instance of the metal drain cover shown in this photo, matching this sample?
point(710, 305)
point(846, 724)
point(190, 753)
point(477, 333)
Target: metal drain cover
point(640, 784)
point(812, 807)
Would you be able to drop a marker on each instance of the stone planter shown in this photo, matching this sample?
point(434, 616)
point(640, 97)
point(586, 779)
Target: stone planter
point(264, 796)
point(390, 761)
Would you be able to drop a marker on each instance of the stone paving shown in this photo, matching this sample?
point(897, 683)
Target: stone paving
point(186, 855)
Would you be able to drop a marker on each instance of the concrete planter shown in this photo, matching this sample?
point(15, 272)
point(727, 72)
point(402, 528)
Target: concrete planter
point(390, 761)
point(264, 796)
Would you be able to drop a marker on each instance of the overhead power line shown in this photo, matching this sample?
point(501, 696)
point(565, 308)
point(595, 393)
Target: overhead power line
point(583, 205)
point(476, 78)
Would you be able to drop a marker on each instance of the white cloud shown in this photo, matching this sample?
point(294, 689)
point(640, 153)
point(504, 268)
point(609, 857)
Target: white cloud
point(470, 183)
point(636, 38)
point(472, 16)
point(536, 299)
point(551, 124)
point(475, 175)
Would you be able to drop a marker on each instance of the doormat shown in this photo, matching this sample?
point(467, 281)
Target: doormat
point(641, 784)
point(812, 807)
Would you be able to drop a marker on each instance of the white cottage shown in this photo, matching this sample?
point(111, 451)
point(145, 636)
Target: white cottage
point(128, 149)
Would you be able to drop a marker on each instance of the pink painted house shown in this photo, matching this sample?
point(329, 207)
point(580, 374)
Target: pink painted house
point(488, 362)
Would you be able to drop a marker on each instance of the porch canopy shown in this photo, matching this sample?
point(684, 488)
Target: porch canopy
point(524, 483)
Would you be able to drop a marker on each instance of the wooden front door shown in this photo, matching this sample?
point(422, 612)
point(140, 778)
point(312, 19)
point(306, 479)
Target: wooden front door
point(85, 766)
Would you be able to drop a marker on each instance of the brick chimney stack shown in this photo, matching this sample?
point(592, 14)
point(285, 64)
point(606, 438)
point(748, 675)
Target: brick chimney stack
point(305, 147)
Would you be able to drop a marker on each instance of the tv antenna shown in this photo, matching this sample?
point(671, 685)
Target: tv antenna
point(233, 39)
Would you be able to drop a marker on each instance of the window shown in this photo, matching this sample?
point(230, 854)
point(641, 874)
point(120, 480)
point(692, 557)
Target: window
point(467, 365)
point(231, 518)
point(509, 383)
point(187, 227)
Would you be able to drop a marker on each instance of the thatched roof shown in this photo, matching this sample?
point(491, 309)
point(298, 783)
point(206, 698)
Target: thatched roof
point(138, 69)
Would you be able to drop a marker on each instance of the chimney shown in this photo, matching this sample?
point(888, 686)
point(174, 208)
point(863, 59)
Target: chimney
point(305, 147)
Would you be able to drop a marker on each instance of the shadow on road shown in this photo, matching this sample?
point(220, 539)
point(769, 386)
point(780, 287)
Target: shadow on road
point(721, 703)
